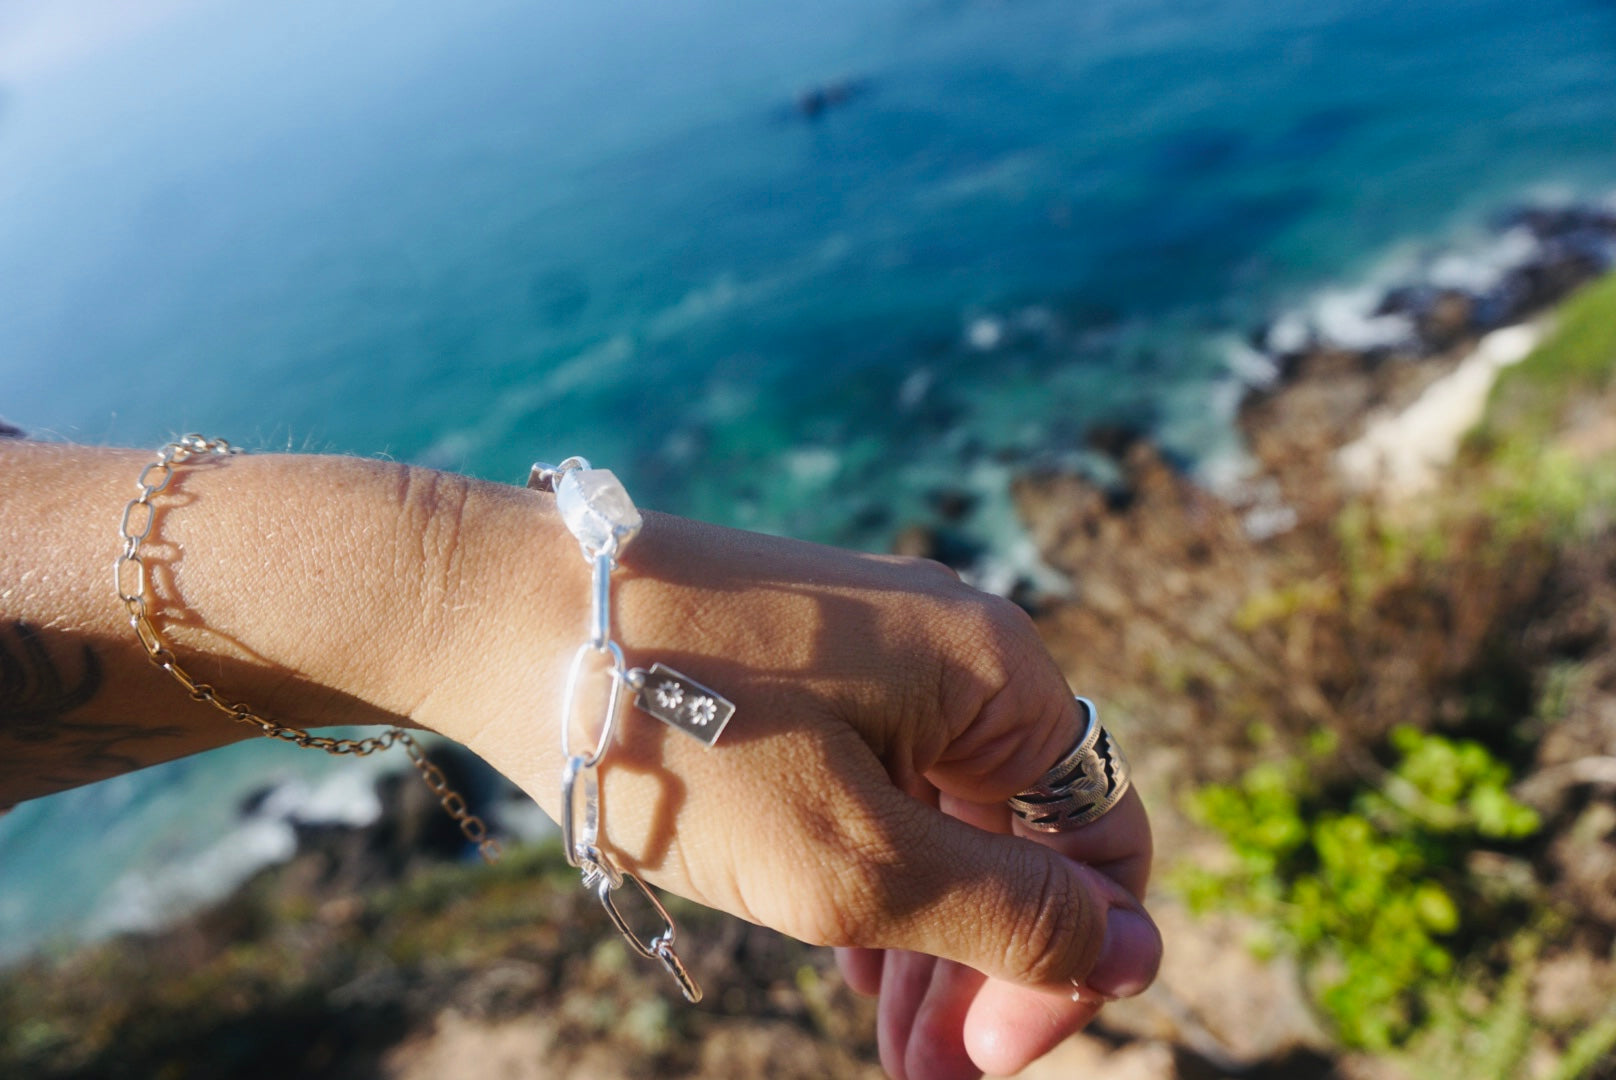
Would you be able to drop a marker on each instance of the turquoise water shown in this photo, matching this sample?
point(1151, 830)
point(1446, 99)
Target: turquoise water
point(474, 234)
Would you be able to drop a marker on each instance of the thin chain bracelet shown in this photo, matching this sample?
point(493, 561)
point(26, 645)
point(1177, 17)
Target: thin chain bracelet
point(129, 579)
point(601, 516)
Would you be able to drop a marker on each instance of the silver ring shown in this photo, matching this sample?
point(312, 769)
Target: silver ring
point(1082, 787)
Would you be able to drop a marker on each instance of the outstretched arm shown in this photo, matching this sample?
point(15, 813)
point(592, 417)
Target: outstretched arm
point(884, 710)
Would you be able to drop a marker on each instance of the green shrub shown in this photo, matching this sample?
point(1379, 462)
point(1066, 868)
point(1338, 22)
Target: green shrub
point(1577, 357)
point(1367, 885)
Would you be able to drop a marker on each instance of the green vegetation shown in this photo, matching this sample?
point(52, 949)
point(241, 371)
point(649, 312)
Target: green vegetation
point(1401, 874)
point(1578, 358)
point(1471, 1036)
point(1534, 482)
point(1367, 882)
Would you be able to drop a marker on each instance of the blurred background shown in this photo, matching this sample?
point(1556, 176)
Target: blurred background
point(849, 271)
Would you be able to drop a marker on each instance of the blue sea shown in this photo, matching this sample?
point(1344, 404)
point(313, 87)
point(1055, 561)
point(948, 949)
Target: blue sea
point(791, 266)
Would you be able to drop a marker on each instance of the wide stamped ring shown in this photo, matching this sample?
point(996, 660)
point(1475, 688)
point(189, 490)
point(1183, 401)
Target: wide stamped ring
point(1083, 785)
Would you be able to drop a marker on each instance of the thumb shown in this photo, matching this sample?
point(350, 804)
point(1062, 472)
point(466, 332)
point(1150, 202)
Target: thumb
point(1011, 908)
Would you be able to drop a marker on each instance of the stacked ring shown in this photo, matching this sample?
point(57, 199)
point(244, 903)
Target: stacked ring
point(1088, 780)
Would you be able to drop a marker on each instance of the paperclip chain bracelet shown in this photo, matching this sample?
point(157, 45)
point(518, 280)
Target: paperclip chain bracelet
point(130, 580)
point(601, 516)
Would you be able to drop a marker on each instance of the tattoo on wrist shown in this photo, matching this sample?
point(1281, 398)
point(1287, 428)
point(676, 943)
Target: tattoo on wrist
point(41, 683)
point(35, 689)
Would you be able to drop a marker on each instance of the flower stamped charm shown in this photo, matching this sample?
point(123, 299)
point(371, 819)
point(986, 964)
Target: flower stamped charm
point(681, 702)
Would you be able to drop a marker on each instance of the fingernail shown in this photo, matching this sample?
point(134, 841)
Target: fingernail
point(1131, 955)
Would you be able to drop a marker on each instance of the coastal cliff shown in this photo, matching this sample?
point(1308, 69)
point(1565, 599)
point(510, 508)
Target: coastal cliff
point(1361, 586)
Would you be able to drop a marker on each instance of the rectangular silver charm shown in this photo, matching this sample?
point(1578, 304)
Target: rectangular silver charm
point(682, 702)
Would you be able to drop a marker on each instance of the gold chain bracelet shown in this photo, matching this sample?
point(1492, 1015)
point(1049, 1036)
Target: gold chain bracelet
point(130, 581)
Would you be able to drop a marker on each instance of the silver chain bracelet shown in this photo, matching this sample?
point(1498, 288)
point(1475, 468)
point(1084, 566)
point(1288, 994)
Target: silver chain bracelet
point(602, 518)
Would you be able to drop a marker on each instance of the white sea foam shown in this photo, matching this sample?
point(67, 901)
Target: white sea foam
point(1225, 473)
point(1478, 269)
point(1346, 318)
point(812, 466)
point(147, 898)
point(1289, 333)
point(343, 797)
point(986, 333)
point(1010, 555)
point(914, 388)
point(1350, 317)
point(1252, 367)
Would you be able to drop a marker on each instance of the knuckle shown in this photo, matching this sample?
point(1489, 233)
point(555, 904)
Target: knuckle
point(1001, 653)
point(1052, 922)
point(1010, 620)
point(994, 621)
point(933, 567)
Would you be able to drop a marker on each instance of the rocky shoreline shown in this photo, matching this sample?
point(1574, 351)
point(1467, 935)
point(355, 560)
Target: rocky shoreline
point(1217, 628)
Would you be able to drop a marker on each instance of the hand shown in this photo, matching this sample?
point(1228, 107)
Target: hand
point(940, 1019)
point(885, 711)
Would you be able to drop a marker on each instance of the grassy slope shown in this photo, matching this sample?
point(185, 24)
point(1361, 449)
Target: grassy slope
point(1446, 988)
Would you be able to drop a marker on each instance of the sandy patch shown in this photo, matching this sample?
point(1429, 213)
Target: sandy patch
point(1403, 454)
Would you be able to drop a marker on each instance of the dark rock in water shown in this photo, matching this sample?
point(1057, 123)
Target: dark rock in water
point(254, 800)
point(1442, 317)
point(1031, 599)
point(10, 431)
point(1446, 320)
point(1568, 248)
point(1562, 222)
point(1576, 245)
point(947, 546)
point(413, 829)
point(1113, 440)
point(1538, 285)
point(952, 504)
point(814, 101)
point(871, 516)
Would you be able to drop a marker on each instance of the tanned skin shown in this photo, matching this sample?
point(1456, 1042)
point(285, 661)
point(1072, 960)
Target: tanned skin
point(885, 711)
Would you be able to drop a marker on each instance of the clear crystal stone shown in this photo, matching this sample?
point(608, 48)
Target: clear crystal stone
point(596, 508)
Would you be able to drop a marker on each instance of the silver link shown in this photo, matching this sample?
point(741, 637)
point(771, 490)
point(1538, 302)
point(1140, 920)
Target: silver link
point(129, 596)
point(147, 488)
point(645, 948)
point(658, 947)
point(543, 476)
point(600, 607)
point(128, 511)
point(663, 947)
point(149, 639)
point(571, 837)
point(616, 673)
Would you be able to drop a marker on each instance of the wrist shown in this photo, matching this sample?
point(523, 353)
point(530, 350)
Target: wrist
point(324, 589)
point(502, 603)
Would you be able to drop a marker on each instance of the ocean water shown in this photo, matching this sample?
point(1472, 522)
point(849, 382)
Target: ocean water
point(471, 235)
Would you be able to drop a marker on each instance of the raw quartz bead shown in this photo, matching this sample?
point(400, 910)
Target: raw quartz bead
point(596, 508)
